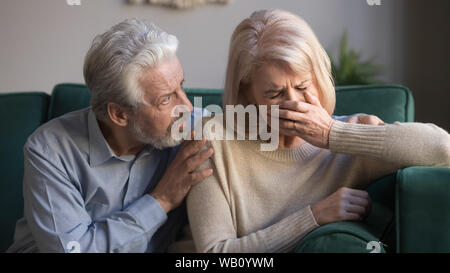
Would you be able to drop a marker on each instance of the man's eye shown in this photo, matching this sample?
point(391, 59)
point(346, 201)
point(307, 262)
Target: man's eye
point(166, 99)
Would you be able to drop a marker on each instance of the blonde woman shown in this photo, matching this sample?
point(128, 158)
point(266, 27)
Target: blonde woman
point(267, 201)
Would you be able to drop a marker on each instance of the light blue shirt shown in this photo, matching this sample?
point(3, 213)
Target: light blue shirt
point(76, 190)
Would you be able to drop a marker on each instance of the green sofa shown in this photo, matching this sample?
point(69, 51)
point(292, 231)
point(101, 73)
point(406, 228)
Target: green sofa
point(409, 212)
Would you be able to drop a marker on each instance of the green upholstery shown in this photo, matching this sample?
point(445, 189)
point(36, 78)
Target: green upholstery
point(21, 114)
point(422, 209)
point(389, 102)
point(340, 237)
point(67, 98)
point(350, 99)
point(209, 96)
point(420, 190)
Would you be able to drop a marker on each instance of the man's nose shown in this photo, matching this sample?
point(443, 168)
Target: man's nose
point(185, 101)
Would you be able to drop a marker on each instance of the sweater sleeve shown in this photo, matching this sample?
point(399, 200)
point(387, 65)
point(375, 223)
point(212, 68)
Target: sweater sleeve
point(214, 229)
point(397, 145)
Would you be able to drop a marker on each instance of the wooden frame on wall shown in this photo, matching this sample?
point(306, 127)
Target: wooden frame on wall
point(178, 4)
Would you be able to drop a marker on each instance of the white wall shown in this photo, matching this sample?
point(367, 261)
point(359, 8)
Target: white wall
point(43, 42)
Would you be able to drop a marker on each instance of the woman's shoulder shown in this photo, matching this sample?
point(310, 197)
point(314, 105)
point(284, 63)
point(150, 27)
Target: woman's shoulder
point(214, 128)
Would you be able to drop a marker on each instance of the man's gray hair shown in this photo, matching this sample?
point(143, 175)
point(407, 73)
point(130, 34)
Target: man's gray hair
point(117, 58)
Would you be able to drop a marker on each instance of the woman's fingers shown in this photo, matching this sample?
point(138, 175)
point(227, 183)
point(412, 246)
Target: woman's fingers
point(361, 210)
point(310, 98)
point(361, 199)
point(358, 201)
point(296, 128)
point(292, 115)
point(293, 105)
point(359, 193)
point(309, 122)
point(366, 119)
point(352, 217)
point(353, 119)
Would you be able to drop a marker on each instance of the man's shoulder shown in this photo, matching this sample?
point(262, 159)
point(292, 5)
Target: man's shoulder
point(60, 131)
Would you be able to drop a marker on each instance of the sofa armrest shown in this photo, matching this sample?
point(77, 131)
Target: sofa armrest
point(422, 209)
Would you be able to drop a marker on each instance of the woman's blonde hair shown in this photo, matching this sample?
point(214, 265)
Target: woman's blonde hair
point(276, 36)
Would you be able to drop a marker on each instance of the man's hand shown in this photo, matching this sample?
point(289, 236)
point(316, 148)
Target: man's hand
point(182, 174)
point(366, 119)
point(344, 205)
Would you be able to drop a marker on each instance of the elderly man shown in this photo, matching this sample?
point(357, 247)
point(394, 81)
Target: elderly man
point(110, 178)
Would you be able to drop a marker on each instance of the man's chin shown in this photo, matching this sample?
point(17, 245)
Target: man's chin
point(164, 143)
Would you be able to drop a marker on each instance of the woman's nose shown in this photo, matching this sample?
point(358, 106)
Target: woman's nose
point(294, 94)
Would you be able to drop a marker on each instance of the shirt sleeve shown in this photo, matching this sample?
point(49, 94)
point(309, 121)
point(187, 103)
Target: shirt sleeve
point(55, 212)
point(213, 229)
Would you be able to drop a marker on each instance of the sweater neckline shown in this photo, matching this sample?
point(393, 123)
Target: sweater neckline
point(283, 154)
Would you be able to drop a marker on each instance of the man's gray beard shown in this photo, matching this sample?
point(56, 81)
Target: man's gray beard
point(159, 143)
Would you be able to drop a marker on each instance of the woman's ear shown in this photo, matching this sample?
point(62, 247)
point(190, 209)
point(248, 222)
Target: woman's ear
point(117, 114)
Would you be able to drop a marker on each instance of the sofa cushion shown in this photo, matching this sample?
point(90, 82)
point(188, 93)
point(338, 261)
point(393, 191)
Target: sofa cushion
point(21, 114)
point(68, 97)
point(389, 102)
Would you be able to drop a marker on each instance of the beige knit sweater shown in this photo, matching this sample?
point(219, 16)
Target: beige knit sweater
point(260, 201)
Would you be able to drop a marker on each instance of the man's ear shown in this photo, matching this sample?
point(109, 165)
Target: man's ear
point(117, 114)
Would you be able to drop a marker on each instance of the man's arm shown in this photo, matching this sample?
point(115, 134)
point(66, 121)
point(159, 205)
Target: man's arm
point(55, 211)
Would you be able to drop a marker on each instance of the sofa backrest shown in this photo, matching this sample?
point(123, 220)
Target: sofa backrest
point(21, 114)
point(68, 97)
point(389, 102)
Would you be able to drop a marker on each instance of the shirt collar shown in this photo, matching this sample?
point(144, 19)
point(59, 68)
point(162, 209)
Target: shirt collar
point(99, 150)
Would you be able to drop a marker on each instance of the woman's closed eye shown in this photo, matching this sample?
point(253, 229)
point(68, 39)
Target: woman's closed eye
point(274, 95)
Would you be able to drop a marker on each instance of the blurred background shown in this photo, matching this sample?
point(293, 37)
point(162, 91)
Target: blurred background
point(406, 42)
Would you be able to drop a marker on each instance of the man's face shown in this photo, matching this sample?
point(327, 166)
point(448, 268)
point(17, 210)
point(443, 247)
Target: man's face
point(163, 90)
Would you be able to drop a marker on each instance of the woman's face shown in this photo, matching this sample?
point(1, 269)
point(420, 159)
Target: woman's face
point(271, 84)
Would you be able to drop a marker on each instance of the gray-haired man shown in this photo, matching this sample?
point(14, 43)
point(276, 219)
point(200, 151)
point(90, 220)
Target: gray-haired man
point(110, 178)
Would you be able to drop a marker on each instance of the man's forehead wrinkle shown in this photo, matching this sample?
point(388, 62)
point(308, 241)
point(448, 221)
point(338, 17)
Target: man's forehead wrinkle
point(162, 80)
point(155, 80)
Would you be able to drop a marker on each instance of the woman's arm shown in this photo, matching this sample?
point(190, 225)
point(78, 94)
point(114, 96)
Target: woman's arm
point(214, 229)
point(405, 144)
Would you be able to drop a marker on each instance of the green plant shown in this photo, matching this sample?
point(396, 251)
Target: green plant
point(351, 70)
